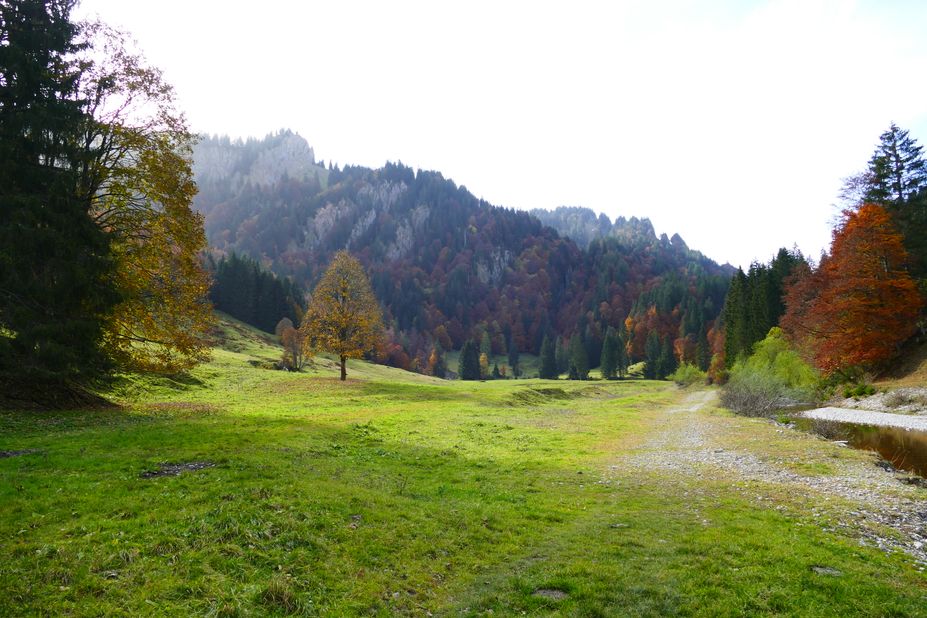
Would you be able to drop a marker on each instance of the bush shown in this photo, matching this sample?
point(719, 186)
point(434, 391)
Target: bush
point(687, 375)
point(858, 390)
point(772, 378)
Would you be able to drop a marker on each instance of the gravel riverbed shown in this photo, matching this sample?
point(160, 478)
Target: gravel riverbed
point(866, 417)
point(886, 510)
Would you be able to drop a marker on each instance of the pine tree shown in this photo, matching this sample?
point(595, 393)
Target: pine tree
point(897, 170)
point(468, 366)
point(609, 362)
point(579, 359)
point(56, 266)
point(562, 355)
point(736, 319)
point(666, 361)
point(897, 179)
point(514, 360)
point(652, 351)
point(703, 350)
point(486, 345)
point(548, 363)
point(623, 360)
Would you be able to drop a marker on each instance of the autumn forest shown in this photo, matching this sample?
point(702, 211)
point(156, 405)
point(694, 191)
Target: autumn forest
point(238, 378)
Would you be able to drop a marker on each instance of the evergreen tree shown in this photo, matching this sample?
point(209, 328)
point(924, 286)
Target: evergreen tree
point(468, 367)
point(897, 179)
point(548, 362)
point(579, 359)
point(754, 305)
point(56, 266)
point(736, 319)
point(702, 350)
point(251, 294)
point(652, 351)
point(562, 355)
point(623, 360)
point(514, 360)
point(609, 362)
point(486, 345)
point(495, 372)
point(666, 361)
point(897, 170)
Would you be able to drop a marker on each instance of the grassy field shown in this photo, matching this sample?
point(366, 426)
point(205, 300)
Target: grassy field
point(400, 494)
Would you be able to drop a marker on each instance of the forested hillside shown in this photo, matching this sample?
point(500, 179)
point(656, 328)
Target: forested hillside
point(447, 266)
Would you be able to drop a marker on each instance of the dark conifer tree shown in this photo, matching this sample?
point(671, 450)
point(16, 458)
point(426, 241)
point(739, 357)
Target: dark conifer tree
point(754, 304)
point(579, 359)
point(623, 360)
point(562, 355)
point(652, 350)
point(666, 362)
point(897, 179)
point(514, 361)
point(702, 350)
point(55, 262)
point(736, 318)
point(468, 367)
point(548, 362)
point(609, 362)
point(251, 294)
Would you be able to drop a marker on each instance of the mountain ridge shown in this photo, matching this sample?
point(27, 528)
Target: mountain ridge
point(446, 265)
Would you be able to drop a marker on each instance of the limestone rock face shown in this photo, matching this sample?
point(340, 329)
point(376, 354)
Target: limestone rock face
point(258, 162)
point(492, 270)
point(583, 226)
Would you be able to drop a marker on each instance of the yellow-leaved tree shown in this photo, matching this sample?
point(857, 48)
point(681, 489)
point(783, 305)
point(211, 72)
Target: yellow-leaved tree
point(344, 316)
point(141, 187)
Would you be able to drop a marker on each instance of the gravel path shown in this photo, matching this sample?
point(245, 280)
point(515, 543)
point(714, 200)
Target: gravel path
point(865, 417)
point(689, 444)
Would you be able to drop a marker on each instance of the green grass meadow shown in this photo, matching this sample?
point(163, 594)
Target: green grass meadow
point(398, 494)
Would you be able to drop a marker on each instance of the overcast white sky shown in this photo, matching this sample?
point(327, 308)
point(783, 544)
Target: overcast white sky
point(731, 122)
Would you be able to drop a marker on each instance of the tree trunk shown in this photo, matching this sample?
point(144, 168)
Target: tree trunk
point(344, 371)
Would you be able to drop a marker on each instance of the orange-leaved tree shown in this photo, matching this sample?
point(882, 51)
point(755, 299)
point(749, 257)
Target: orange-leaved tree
point(344, 316)
point(860, 304)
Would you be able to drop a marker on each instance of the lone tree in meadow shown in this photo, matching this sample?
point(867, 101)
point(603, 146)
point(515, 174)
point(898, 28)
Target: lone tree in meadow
point(344, 316)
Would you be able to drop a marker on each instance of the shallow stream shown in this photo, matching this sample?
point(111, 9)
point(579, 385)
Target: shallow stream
point(905, 449)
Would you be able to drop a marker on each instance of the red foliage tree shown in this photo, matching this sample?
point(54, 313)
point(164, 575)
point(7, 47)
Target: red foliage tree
point(860, 304)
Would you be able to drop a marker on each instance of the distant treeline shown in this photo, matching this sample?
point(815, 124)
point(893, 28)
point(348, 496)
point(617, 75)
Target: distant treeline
point(244, 290)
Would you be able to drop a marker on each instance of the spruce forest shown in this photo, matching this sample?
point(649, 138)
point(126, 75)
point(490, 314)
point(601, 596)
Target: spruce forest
point(239, 380)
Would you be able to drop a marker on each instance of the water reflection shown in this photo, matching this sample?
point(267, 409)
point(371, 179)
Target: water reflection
point(904, 449)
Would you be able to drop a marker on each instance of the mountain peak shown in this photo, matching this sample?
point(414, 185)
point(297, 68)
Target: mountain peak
point(260, 162)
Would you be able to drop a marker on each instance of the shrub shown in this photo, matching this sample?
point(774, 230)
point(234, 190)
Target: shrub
point(772, 378)
point(858, 390)
point(688, 374)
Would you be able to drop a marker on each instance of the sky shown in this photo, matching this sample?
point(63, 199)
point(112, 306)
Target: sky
point(731, 122)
